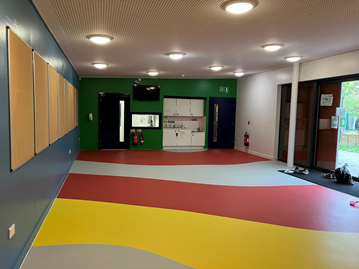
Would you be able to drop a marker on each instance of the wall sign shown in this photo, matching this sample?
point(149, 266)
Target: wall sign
point(223, 89)
point(326, 100)
point(342, 122)
point(341, 111)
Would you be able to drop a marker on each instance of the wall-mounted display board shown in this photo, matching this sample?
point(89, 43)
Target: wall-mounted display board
point(72, 107)
point(61, 89)
point(53, 105)
point(22, 133)
point(67, 105)
point(41, 95)
point(76, 107)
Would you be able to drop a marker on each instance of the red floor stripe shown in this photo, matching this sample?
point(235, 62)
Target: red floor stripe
point(160, 157)
point(308, 207)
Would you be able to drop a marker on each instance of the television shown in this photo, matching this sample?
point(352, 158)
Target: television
point(146, 92)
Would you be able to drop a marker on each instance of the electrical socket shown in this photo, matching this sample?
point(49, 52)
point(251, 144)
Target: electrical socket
point(11, 231)
point(69, 151)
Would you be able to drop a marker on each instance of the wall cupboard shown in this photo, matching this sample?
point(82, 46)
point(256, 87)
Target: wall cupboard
point(183, 107)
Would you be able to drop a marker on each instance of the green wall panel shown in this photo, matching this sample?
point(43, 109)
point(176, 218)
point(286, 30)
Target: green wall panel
point(90, 87)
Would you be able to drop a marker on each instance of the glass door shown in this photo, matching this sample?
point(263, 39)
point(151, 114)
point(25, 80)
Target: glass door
point(348, 117)
point(303, 131)
point(327, 127)
point(338, 126)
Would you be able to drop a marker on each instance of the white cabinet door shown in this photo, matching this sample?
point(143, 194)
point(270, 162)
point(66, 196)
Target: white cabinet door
point(197, 108)
point(183, 107)
point(198, 139)
point(169, 106)
point(184, 138)
point(169, 137)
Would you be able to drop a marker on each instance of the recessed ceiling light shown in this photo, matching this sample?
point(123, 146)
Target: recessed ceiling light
point(238, 7)
point(293, 58)
point(272, 47)
point(153, 73)
point(100, 65)
point(176, 55)
point(216, 68)
point(100, 39)
point(238, 74)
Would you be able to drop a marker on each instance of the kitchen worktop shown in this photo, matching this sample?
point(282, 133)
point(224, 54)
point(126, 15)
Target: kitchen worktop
point(171, 128)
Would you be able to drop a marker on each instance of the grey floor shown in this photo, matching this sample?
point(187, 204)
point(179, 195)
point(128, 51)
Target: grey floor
point(95, 257)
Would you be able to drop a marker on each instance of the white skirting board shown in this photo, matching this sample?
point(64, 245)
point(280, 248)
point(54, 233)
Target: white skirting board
point(255, 153)
point(180, 148)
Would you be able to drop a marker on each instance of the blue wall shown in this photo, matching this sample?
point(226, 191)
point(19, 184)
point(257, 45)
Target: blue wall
point(27, 193)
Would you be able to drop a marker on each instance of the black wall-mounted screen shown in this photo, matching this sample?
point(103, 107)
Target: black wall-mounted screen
point(146, 92)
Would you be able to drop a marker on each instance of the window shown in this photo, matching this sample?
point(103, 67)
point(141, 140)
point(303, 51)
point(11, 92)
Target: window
point(146, 120)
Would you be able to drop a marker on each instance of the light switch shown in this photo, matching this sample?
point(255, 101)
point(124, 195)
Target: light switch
point(11, 231)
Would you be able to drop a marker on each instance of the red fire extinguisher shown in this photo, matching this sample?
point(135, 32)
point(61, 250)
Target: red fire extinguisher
point(135, 139)
point(141, 141)
point(246, 139)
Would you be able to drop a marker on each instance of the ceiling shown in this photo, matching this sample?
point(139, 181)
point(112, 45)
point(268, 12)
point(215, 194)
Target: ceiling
point(145, 31)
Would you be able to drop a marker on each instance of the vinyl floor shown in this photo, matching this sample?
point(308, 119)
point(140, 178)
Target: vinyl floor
point(210, 209)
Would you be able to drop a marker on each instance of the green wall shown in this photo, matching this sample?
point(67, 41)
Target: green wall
point(90, 87)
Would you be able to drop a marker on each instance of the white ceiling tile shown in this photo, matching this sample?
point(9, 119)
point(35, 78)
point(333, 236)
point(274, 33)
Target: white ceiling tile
point(145, 31)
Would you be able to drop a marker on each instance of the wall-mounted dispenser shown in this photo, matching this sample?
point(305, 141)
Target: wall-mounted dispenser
point(90, 117)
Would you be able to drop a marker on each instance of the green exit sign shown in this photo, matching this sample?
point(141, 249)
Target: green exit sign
point(223, 89)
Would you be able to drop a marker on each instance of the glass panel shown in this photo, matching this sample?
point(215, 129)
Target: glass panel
point(122, 121)
point(327, 140)
point(348, 113)
point(145, 120)
point(303, 123)
point(215, 123)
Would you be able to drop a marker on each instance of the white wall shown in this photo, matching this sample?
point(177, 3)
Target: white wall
point(258, 99)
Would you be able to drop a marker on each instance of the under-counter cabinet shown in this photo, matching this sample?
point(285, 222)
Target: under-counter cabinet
point(176, 137)
point(198, 138)
point(169, 137)
point(184, 138)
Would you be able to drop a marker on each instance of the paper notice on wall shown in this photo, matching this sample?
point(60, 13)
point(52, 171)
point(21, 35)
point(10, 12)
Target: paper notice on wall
point(334, 124)
point(324, 124)
point(341, 112)
point(182, 135)
point(343, 122)
point(326, 100)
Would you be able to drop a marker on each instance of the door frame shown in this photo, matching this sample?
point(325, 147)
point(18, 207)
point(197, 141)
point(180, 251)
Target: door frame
point(315, 115)
point(210, 123)
point(323, 82)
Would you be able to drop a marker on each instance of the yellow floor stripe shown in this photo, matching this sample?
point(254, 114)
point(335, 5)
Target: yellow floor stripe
point(197, 240)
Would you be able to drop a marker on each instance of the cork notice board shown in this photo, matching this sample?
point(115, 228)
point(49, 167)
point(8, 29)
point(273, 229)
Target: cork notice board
point(67, 105)
point(53, 103)
point(72, 107)
point(41, 104)
point(22, 133)
point(76, 107)
point(61, 89)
